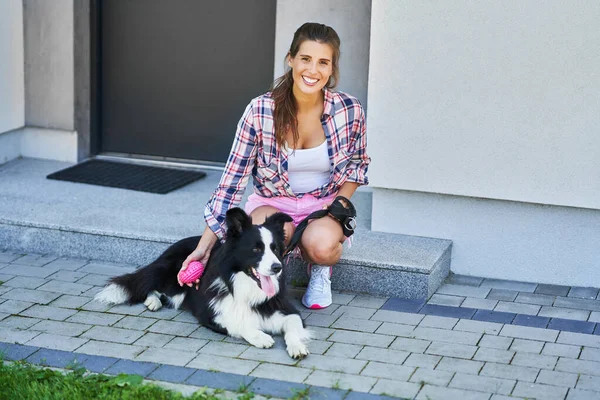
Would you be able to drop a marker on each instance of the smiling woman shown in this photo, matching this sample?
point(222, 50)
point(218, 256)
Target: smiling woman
point(303, 144)
point(313, 61)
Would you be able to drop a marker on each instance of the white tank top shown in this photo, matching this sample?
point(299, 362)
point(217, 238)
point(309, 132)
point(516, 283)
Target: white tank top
point(308, 169)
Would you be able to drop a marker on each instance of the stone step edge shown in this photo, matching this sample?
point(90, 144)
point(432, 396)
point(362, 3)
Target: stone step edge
point(406, 284)
point(148, 243)
point(62, 228)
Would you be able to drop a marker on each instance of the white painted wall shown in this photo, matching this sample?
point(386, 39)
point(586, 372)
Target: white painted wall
point(49, 144)
point(492, 99)
point(10, 145)
point(500, 239)
point(49, 66)
point(12, 98)
point(37, 80)
point(351, 19)
point(484, 128)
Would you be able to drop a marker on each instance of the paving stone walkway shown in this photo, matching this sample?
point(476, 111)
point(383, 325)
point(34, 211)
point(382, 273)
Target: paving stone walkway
point(474, 339)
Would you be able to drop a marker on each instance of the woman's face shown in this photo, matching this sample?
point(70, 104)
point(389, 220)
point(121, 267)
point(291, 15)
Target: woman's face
point(311, 67)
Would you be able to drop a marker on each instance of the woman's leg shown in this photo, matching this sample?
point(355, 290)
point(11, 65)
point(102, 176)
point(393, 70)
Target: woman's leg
point(322, 241)
point(261, 213)
point(321, 244)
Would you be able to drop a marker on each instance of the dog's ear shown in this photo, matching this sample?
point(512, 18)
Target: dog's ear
point(276, 222)
point(237, 221)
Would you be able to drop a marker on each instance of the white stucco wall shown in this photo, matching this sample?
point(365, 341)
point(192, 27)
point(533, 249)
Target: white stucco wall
point(49, 64)
point(493, 99)
point(351, 19)
point(484, 128)
point(498, 238)
point(12, 98)
point(37, 108)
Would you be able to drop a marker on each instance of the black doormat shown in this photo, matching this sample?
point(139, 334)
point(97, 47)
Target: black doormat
point(127, 176)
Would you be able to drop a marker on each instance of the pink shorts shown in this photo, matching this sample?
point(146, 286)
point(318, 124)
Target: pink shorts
point(297, 208)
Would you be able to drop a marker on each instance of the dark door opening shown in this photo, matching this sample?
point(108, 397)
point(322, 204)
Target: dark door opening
point(175, 76)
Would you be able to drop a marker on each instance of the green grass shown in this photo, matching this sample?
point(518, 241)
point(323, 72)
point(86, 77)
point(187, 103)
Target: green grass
point(24, 381)
point(301, 394)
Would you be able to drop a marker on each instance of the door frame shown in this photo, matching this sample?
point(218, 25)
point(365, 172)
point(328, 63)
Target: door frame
point(95, 77)
point(90, 54)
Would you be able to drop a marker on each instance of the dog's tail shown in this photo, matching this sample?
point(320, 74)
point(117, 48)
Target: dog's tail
point(161, 274)
point(132, 288)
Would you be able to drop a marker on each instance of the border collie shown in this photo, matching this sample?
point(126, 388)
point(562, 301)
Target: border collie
point(241, 291)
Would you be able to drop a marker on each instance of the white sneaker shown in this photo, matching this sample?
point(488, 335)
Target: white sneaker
point(318, 293)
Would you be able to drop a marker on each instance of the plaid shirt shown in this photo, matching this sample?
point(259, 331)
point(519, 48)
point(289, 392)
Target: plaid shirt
point(255, 152)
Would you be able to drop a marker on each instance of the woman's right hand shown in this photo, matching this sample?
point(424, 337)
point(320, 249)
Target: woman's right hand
point(201, 253)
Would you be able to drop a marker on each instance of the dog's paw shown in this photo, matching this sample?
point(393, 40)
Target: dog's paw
point(153, 303)
point(260, 340)
point(297, 350)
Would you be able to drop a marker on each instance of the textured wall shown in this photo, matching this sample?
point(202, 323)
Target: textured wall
point(12, 98)
point(49, 64)
point(500, 239)
point(475, 103)
point(493, 99)
point(351, 19)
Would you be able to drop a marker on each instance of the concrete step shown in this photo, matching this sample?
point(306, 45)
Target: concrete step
point(41, 216)
point(378, 263)
point(386, 264)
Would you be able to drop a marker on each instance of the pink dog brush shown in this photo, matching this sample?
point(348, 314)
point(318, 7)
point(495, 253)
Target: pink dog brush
point(192, 272)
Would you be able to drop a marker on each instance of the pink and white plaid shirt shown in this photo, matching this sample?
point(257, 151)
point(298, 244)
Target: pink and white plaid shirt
point(255, 153)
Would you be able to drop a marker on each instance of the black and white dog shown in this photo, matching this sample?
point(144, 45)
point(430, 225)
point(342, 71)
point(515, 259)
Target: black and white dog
point(241, 291)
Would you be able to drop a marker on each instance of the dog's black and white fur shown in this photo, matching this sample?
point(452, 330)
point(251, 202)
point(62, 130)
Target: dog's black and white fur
point(241, 291)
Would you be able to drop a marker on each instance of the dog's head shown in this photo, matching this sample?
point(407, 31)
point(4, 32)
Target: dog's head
point(257, 250)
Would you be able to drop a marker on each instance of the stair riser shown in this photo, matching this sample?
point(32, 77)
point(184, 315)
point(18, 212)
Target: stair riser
point(347, 276)
point(376, 281)
point(79, 245)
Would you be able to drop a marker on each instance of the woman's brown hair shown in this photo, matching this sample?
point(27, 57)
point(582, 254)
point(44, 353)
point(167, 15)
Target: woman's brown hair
point(286, 108)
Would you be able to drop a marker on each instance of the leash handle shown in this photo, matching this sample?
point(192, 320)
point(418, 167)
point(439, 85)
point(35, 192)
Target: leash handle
point(345, 215)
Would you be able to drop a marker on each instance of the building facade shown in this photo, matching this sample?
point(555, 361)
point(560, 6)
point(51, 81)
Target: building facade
point(483, 118)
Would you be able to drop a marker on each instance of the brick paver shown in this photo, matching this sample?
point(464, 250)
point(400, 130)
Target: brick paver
point(25, 282)
point(432, 377)
point(482, 383)
point(291, 374)
point(18, 322)
point(361, 345)
point(48, 312)
point(562, 350)
point(116, 335)
point(527, 346)
point(495, 342)
point(556, 378)
point(340, 380)
point(58, 342)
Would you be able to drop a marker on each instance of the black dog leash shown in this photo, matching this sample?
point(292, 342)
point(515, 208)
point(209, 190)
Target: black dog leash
point(345, 215)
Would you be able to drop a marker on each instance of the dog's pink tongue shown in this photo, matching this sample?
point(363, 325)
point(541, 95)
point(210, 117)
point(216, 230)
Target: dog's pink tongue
point(266, 283)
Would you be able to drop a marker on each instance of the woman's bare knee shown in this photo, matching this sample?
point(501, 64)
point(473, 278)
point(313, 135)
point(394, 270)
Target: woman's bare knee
point(261, 213)
point(322, 241)
point(322, 250)
point(323, 256)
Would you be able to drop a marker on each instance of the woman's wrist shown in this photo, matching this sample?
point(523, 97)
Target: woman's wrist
point(208, 239)
point(348, 189)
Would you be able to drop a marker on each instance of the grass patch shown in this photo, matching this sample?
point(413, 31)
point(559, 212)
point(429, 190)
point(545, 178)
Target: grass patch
point(301, 394)
point(27, 382)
